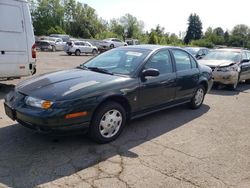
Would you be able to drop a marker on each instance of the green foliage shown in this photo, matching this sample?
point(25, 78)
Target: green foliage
point(153, 38)
point(56, 30)
point(202, 43)
point(194, 31)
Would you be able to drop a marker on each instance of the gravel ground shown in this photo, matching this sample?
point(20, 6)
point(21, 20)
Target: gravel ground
point(179, 147)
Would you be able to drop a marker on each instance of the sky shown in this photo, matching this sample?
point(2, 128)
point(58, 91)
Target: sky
point(173, 14)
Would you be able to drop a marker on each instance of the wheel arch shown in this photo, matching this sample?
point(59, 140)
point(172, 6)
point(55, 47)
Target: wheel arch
point(118, 99)
point(204, 83)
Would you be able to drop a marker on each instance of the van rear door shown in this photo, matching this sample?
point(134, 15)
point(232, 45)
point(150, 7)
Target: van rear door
point(14, 58)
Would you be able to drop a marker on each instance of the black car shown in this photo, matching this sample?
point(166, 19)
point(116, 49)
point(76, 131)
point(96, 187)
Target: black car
point(101, 95)
point(197, 52)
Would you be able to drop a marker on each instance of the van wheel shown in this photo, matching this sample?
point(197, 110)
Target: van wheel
point(53, 48)
point(107, 123)
point(198, 97)
point(77, 52)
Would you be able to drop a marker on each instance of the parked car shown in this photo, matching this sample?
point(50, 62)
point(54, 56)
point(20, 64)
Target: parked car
point(50, 43)
point(65, 38)
point(132, 41)
point(110, 43)
point(230, 66)
point(101, 95)
point(17, 41)
point(197, 52)
point(78, 47)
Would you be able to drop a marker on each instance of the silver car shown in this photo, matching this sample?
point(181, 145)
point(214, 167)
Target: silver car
point(55, 44)
point(78, 47)
point(112, 43)
point(230, 66)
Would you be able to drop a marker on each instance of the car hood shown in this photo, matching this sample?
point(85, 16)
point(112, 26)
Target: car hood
point(216, 63)
point(69, 84)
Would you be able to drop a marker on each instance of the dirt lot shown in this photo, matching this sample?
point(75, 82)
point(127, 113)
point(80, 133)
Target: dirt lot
point(209, 147)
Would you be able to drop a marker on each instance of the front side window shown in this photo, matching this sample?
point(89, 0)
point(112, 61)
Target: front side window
point(160, 61)
point(182, 60)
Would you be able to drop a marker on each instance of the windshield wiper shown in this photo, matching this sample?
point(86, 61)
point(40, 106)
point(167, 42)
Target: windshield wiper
point(97, 69)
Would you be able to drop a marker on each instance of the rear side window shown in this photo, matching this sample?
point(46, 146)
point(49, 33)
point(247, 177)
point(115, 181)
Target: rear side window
point(182, 60)
point(14, 21)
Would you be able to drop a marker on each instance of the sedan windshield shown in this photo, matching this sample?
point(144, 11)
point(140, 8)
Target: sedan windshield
point(223, 55)
point(118, 61)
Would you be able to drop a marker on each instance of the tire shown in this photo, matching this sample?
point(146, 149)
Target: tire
point(112, 46)
point(198, 98)
point(53, 49)
point(77, 52)
point(114, 127)
point(94, 52)
point(69, 53)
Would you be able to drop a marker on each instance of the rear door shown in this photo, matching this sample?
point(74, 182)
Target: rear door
point(13, 43)
point(187, 74)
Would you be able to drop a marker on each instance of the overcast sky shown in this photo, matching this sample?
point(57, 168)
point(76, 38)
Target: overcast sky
point(173, 14)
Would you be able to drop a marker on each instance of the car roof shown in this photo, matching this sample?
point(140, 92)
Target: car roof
point(231, 49)
point(150, 47)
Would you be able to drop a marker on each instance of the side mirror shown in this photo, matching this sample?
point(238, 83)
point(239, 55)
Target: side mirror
point(245, 60)
point(150, 72)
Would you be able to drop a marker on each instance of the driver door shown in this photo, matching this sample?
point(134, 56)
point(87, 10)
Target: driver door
point(156, 91)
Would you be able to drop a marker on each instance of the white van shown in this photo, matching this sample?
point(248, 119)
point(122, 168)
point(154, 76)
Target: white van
point(17, 41)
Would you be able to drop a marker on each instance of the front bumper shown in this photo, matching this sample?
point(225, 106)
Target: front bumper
point(47, 121)
point(228, 77)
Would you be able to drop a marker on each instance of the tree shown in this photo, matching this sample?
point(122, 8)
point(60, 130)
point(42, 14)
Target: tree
point(132, 27)
point(194, 31)
point(219, 32)
point(153, 38)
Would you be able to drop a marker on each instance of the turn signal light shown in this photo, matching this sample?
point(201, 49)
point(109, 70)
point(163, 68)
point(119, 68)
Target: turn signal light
point(46, 104)
point(74, 115)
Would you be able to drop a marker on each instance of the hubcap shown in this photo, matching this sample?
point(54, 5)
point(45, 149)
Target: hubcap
point(110, 123)
point(199, 96)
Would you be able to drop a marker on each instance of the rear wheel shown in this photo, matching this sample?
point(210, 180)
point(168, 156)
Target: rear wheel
point(107, 123)
point(77, 52)
point(198, 97)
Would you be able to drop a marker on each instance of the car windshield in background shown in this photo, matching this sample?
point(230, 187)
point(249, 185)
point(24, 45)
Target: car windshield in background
point(119, 61)
point(192, 51)
point(223, 55)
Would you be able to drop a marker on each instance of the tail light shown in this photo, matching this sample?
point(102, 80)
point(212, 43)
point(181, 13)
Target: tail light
point(33, 51)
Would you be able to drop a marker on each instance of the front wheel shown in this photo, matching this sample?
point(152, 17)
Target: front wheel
point(198, 97)
point(69, 53)
point(107, 123)
point(247, 81)
point(53, 49)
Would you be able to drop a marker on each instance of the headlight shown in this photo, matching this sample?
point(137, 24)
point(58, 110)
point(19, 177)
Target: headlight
point(229, 68)
point(34, 102)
